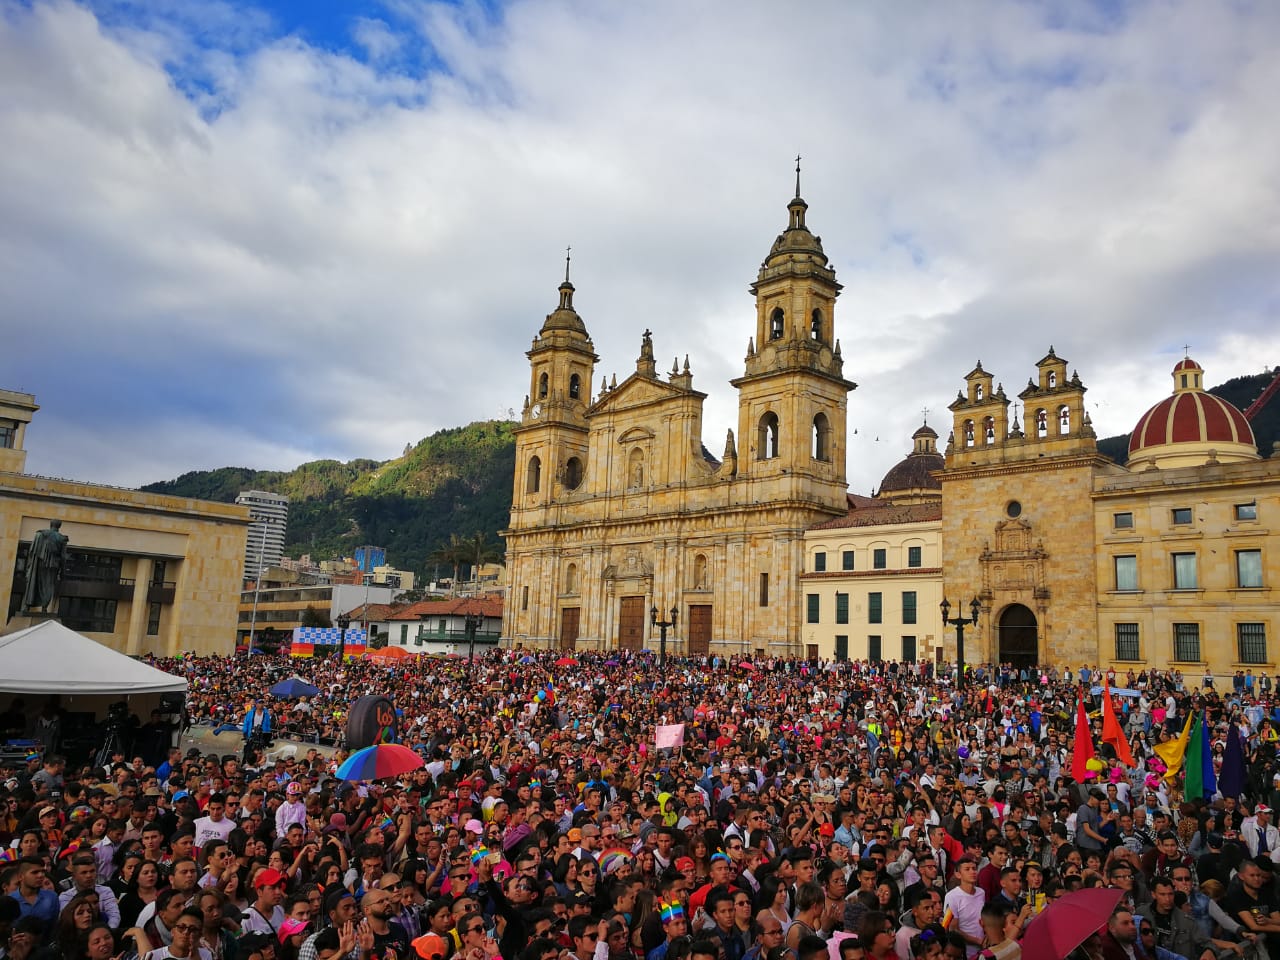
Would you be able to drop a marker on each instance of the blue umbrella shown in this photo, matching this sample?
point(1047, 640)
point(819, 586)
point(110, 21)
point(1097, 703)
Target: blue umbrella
point(1117, 691)
point(293, 688)
point(1232, 778)
point(528, 660)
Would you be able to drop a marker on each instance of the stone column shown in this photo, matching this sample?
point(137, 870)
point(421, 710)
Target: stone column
point(138, 611)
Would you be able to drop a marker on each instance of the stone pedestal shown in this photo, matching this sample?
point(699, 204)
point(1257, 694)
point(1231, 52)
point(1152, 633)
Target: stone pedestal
point(20, 621)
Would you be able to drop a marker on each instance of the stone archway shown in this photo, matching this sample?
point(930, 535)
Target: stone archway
point(1019, 637)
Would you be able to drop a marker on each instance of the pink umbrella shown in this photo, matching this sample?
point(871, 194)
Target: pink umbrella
point(744, 665)
point(1068, 922)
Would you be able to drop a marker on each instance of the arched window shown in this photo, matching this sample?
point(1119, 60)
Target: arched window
point(1053, 379)
point(572, 473)
point(767, 441)
point(635, 470)
point(575, 387)
point(533, 476)
point(776, 324)
point(968, 433)
point(821, 437)
point(815, 325)
point(700, 571)
point(989, 430)
point(977, 391)
point(542, 385)
point(1064, 420)
point(571, 578)
point(1042, 423)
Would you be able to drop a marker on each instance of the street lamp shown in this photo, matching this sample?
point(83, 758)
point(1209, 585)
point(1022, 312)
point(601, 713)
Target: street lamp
point(343, 622)
point(975, 607)
point(472, 623)
point(662, 625)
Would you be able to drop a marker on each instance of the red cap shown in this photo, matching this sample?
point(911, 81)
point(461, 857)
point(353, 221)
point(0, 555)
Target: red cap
point(269, 878)
point(685, 863)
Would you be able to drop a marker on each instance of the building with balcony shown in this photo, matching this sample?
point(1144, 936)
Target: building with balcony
point(144, 573)
point(439, 626)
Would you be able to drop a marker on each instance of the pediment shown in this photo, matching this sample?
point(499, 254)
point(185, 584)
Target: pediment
point(636, 391)
point(636, 433)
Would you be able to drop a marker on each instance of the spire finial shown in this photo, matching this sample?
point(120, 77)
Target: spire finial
point(1186, 351)
point(924, 412)
point(566, 263)
point(797, 174)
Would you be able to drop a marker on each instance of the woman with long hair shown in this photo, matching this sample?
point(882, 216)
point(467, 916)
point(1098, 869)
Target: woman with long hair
point(97, 943)
point(772, 896)
point(74, 923)
point(143, 885)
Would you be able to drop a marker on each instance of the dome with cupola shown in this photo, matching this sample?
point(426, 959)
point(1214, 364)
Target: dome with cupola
point(912, 480)
point(1191, 427)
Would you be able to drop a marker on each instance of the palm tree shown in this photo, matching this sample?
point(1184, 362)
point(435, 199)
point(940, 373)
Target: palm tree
point(451, 555)
point(476, 552)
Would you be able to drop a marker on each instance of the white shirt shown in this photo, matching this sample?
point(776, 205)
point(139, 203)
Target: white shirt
point(967, 909)
point(209, 829)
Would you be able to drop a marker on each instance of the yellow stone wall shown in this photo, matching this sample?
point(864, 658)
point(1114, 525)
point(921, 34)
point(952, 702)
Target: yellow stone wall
point(1215, 534)
point(202, 543)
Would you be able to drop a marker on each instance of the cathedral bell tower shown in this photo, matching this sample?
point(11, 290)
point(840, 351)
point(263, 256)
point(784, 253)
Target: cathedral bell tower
point(793, 397)
point(551, 440)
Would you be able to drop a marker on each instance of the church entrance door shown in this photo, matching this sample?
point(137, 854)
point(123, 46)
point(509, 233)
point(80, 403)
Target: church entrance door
point(699, 630)
point(1019, 643)
point(570, 618)
point(631, 623)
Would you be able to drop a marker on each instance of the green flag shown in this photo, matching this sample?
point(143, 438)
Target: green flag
point(1193, 785)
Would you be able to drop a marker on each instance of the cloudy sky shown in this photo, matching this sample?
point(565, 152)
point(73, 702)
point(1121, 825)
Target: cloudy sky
point(260, 233)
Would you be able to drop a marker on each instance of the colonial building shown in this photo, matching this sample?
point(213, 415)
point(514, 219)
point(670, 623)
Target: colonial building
point(873, 577)
point(619, 508)
point(1170, 560)
point(144, 573)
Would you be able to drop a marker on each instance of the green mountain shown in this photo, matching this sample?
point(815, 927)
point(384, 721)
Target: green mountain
point(456, 481)
point(1239, 392)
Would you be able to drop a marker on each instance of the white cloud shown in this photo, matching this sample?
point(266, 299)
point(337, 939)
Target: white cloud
point(283, 252)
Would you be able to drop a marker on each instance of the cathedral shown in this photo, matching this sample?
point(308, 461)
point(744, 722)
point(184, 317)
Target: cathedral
point(622, 517)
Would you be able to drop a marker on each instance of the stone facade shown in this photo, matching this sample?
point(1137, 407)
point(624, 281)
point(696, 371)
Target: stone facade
point(179, 562)
point(619, 508)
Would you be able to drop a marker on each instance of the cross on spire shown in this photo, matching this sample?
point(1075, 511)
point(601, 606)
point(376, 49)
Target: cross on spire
point(566, 263)
point(1186, 350)
point(797, 174)
point(924, 412)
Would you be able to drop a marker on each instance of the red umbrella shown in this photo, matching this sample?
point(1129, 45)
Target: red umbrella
point(744, 665)
point(1068, 922)
point(566, 662)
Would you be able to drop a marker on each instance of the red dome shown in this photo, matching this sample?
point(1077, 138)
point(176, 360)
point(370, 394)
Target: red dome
point(1187, 364)
point(1190, 416)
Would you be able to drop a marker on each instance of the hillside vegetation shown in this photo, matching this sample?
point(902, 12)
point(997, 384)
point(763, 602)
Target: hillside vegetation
point(456, 481)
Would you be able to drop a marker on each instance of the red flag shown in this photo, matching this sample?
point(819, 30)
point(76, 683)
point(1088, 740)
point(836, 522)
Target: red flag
point(1083, 750)
point(1111, 730)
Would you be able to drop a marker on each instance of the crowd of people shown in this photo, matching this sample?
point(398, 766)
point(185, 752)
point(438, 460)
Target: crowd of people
point(806, 810)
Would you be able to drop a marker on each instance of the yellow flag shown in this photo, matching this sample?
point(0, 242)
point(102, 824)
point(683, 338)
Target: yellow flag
point(1173, 752)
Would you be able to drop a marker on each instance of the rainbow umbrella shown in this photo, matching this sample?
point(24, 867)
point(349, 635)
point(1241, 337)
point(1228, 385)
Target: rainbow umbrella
point(613, 858)
point(378, 762)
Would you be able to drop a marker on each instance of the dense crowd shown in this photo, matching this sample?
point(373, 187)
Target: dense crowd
point(812, 810)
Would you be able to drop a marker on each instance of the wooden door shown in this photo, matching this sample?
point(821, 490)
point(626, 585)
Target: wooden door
point(570, 618)
point(699, 630)
point(631, 623)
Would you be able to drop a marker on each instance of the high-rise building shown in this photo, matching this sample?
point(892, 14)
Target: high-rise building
point(270, 516)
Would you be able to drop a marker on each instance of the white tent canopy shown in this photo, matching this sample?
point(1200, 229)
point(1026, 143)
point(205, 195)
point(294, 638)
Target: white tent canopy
point(50, 658)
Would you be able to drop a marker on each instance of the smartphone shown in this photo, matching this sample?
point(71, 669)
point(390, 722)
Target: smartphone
point(493, 859)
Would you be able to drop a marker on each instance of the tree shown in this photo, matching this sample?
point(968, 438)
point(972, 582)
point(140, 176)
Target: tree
point(316, 617)
point(477, 551)
point(451, 554)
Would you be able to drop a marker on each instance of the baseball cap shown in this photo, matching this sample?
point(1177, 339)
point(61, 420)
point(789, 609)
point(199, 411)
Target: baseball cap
point(48, 810)
point(290, 927)
point(684, 863)
point(293, 789)
point(474, 826)
point(269, 878)
point(430, 946)
point(575, 835)
point(337, 823)
point(827, 830)
point(1261, 808)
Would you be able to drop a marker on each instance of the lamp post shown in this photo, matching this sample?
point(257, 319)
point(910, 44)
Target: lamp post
point(343, 622)
point(663, 625)
point(472, 623)
point(975, 608)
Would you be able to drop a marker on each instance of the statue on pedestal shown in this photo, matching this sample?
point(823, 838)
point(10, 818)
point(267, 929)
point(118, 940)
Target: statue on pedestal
point(45, 561)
